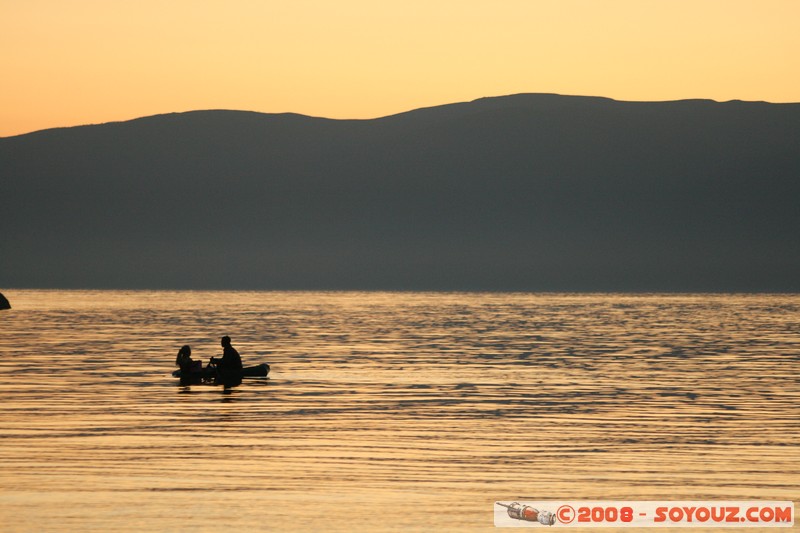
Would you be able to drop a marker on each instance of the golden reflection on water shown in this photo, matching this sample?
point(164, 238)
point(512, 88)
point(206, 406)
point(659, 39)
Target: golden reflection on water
point(389, 411)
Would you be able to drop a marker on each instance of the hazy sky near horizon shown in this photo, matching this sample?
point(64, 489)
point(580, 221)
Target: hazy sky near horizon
point(91, 61)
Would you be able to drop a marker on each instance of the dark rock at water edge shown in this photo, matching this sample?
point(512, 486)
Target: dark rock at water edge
point(4, 302)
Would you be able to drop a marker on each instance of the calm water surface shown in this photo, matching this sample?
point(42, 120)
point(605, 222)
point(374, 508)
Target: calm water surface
point(388, 411)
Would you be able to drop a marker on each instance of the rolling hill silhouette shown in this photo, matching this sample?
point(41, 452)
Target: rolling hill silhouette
point(524, 192)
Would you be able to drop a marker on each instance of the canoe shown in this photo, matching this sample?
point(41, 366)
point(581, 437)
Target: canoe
point(257, 371)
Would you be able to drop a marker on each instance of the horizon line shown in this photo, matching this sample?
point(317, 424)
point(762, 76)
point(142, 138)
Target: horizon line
point(434, 106)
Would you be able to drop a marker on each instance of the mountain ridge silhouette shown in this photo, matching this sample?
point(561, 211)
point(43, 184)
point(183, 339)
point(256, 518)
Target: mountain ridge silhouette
point(523, 192)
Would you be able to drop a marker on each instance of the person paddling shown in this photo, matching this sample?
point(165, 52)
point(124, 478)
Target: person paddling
point(230, 363)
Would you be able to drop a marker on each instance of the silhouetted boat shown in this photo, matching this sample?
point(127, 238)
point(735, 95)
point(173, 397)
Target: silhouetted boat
point(210, 376)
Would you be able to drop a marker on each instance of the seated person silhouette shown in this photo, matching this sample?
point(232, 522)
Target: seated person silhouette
point(186, 363)
point(230, 362)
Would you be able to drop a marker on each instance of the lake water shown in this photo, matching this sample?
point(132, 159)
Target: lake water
point(388, 411)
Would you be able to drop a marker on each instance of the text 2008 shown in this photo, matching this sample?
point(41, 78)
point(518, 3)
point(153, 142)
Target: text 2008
point(605, 514)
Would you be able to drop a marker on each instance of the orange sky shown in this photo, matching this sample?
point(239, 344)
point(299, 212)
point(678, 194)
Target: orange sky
point(65, 63)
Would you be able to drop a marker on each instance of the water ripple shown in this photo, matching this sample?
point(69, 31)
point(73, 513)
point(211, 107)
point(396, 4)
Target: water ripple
point(409, 403)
